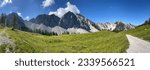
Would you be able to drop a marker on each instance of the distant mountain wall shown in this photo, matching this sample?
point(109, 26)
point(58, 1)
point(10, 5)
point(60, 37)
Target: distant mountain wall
point(70, 23)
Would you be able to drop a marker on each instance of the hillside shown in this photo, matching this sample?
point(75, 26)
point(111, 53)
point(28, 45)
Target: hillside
point(142, 32)
point(103, 41)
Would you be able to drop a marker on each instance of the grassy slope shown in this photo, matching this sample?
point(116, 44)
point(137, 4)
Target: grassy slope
point(142, 32)
point(103, 41)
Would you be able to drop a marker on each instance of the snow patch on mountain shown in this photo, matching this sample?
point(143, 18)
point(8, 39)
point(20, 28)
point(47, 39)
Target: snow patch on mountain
point(76, 31)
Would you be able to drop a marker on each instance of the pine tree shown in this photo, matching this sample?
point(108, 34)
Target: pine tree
point(2, 19)
point(149, 21)
point(14, 22)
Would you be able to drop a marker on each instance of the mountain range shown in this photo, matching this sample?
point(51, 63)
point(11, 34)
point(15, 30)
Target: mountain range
point(70, 23)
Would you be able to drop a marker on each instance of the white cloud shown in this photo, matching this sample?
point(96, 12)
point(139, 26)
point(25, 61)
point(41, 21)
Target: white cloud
point(27, 18)
point(19, 14)
point(61, 11)
point(47, 3)
point(72, 8)
point(4, 2)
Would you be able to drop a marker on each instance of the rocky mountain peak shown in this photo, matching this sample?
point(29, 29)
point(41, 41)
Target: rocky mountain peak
point(69, 20)
point(19, 21)
point(48, 20)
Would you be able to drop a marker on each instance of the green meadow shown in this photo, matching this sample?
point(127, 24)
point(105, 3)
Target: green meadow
point(98, 42)
point(103, 41)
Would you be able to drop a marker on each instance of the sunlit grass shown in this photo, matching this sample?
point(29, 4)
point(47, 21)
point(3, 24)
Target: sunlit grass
point(142, 32)
point(103, 41)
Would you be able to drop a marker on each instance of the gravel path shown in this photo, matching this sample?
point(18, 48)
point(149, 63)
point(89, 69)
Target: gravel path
point(138, 45)
point(4, 40)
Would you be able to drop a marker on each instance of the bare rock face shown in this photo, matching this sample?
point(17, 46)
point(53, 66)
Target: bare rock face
point(69, 23)
point(117, 26)
point(48, 20)
point(69, 20)
point(106, 26)
point(120, 26)
point(20, 24)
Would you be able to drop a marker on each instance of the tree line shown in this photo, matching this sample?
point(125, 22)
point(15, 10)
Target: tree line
point(4, 21)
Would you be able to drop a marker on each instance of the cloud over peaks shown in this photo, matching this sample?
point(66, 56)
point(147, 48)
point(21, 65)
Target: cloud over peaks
point(61, 11)
point(4, 2)
point(47, 3)
point(27, 18)
point(19, 14)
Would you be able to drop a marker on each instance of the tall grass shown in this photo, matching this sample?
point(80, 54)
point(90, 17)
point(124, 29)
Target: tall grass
point(99, 42)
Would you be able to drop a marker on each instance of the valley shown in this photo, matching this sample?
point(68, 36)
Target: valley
point(71, 33)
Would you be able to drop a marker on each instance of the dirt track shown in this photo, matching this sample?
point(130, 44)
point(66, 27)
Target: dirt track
point(137, 45)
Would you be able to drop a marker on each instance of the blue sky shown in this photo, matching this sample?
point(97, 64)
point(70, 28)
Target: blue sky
point(130, 11)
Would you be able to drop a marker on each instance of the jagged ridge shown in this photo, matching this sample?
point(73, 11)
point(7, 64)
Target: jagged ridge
point(69, 23)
